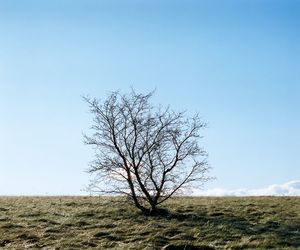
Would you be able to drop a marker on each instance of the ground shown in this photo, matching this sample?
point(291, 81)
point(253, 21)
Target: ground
point(191, 223)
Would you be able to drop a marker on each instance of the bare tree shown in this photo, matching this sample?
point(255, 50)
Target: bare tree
point(145, 152)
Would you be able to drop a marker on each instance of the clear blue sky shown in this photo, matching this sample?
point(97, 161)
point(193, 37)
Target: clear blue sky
point(236, 62)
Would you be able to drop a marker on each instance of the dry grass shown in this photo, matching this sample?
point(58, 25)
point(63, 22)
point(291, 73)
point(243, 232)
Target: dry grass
point(192, 223)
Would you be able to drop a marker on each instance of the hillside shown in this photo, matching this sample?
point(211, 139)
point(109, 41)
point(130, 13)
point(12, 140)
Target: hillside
point(192, 223)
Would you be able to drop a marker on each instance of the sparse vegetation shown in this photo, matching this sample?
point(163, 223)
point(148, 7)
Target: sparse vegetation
point(190, 223)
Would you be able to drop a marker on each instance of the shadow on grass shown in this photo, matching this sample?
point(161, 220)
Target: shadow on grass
point(284, 235)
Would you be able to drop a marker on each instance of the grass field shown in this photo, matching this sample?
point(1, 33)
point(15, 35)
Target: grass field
point(192, 223)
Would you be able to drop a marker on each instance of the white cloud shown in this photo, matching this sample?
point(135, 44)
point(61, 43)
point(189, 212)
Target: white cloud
point(291, 188)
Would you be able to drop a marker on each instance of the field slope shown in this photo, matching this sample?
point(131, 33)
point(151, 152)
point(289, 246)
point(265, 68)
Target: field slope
point(192, 223)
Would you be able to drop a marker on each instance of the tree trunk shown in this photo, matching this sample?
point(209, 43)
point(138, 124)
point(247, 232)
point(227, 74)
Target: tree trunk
point(153, 209)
